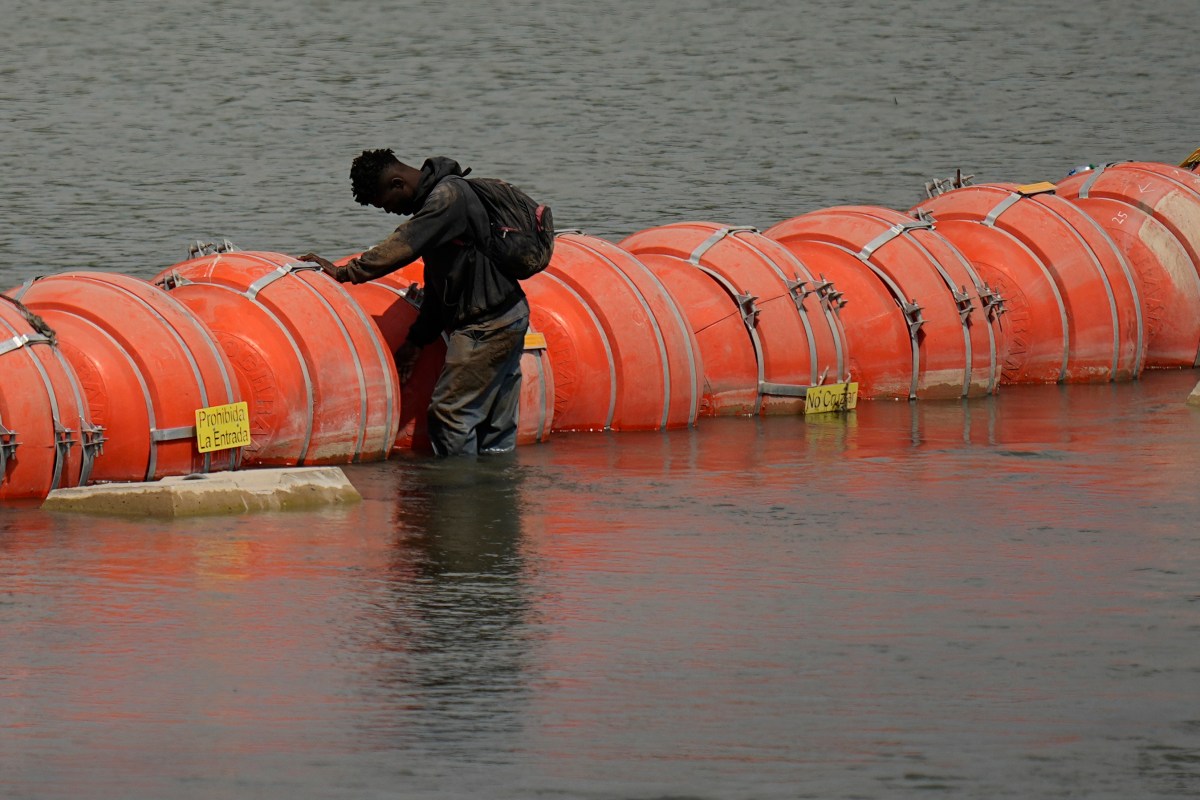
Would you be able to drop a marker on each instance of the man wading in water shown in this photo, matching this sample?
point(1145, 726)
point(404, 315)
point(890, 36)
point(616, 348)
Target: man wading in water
point(485, 314)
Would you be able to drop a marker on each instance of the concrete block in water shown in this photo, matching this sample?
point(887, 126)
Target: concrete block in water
point(215, 493)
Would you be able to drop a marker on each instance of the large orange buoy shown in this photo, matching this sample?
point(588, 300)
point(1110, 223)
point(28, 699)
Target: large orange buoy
point(47, 438)
point(1152, 213)
point(388, 302)
point(621, 349)
point(730, 363)
point(796, 341)
point(146, 363)
point(1101, 299)
point(321, 385)
point(1034, 333)
point(1169, 194)
point(936, 296)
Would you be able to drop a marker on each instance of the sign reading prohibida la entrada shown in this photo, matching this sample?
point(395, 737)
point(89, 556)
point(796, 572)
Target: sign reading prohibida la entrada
point(222, 427)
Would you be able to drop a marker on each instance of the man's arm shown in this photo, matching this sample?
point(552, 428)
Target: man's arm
point(440, 220)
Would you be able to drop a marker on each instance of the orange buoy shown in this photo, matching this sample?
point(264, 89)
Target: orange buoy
point(146, 364)
point(622, 352)
point(393, 310)
point(1034, 340)
point(794, 343)
point(730, 363)
point(1101, 299)
point(47, 439)
point(321, 385)
point(1152, 213)
point(936, 296)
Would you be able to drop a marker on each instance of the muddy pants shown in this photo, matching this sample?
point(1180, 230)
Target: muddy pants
point(476, 399)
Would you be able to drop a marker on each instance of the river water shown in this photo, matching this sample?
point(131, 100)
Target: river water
point(987, 599)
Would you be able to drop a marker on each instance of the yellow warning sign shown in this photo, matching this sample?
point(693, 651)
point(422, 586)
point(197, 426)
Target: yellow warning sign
point(222, 427)
point(831, 397)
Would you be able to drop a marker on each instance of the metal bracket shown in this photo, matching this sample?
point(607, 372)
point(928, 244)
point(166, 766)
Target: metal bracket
point(963, 301)
point(925, 215)
point(829, 296)
point(912, 313)
point(8, 448)
point(171, 281)
point(798, 292)
point(939, 186)
point(172, 434)
point(782, 389)
point(899, 229)
point(993, 303)
point(414, 294)
point(749, 310)
point(63, 442)
point(198, 248)
point(93, 445)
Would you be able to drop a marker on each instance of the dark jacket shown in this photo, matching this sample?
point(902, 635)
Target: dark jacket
point(462, 286)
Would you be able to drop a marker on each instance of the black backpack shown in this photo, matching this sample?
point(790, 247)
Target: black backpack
point(521, 239)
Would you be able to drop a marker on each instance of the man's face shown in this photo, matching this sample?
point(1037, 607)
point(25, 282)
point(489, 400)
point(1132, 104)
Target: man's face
point(395, 192)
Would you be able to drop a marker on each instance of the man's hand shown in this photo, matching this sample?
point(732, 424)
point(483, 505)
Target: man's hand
point(406, 359)
point(326, 265)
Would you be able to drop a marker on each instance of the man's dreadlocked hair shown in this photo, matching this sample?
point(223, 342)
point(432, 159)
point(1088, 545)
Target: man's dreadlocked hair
point(365, 172)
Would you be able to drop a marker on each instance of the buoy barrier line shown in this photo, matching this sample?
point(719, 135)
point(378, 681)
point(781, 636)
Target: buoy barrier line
point(1108, 288)
point(306, 377)
point(767, 300)
point(295, 267)
point(1170, 283)
point(351, 397)
point(963, 234)
point(900, 229)
point(962, 299)
point(61, 439)
point(911, 310)
point(795, 290)
point(664, 356)
point(993, 219)
point(203, 338)
point(831, 301)
point(1187, 183)
point(913, 263)
point(602, 337)
point(1089, 347)
point(883, 363)
point(694, 370)
point(544, 401)
point(749, 314)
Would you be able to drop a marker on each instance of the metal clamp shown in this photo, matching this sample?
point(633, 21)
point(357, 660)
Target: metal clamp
point(172, 281)
point(899, 229)
point(63, 442)
point(93, 445)
point(746, 305)
point(796, 288)
point(197, 249)
point(993, 303)
point(912, 313)
point(829, 296)
point(17, 342)
point(716, 237)
point(963, 301)
point(414, 294)
point(939, 186)
point(8, 448)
